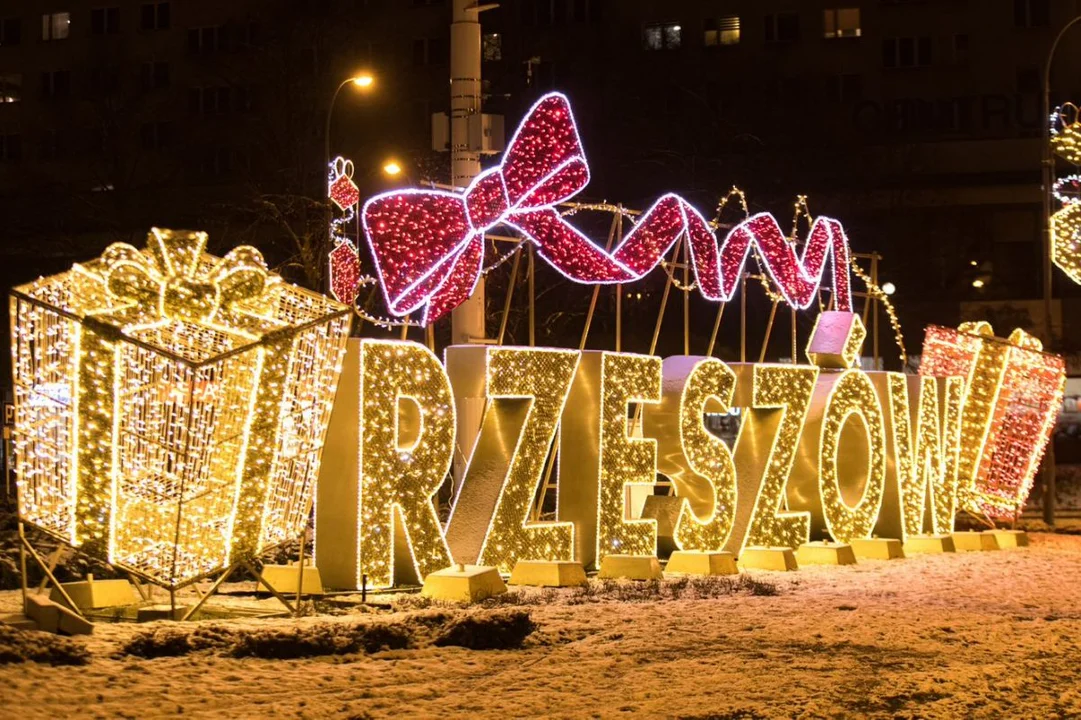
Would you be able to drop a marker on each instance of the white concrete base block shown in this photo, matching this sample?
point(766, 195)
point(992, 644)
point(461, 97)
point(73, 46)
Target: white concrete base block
point(689, 562)
point(1010, 538)
point(55, 618)
point(929, 544)
point(284, 579)
point(463, 583)
point(91, 594)
point(780, 559)
point(878, 549)
point(548, 573)
point(153, 613)
point(630, 567)
point(824, 553)
point(969, 541)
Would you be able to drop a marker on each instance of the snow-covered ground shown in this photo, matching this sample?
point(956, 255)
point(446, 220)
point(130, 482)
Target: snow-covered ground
point(981, 635)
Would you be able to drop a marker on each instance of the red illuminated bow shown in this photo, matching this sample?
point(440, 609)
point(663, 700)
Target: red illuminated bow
point(428, 245)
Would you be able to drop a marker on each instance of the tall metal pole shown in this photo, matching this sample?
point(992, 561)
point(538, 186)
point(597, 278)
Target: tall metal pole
point(1048, 172)
point(467, 320)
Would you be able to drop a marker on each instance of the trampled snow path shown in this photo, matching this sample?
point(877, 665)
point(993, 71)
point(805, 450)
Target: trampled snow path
point(978, 635)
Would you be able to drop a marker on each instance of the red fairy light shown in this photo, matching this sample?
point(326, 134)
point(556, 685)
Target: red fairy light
point(341, 189)
point(428, 245)
point(344, 272)
point(1012, 395)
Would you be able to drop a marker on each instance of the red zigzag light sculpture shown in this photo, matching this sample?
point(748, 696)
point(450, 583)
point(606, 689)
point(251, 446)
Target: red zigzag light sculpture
point(428, 245)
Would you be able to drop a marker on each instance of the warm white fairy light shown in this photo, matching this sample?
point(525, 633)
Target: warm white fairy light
point(851, 397)
point(697, 462)
point(542, 377)
point(625, 461)
point(787, 388)
point(398, 480)
point(196, 394)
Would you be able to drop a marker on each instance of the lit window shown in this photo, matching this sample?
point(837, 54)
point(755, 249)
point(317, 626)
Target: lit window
point(55, 26)
point(841, 23)
point(491, 47)
point(667, 36)
point(11, 87)
point(724, 31)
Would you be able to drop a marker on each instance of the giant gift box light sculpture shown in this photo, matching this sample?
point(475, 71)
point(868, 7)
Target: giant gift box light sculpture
point(1012, 395)
point(171, 405)
point(428, 245)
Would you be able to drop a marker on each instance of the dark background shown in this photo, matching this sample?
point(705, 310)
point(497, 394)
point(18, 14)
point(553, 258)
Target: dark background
point(921, 133)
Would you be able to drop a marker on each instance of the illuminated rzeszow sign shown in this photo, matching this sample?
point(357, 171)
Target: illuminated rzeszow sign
point(822, 448)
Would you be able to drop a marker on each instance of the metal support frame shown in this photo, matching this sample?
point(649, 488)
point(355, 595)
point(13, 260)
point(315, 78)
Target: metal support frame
point(26, 547)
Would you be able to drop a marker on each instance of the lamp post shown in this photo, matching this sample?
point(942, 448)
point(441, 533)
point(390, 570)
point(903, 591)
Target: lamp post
point(1048, 172)
point(363, 81)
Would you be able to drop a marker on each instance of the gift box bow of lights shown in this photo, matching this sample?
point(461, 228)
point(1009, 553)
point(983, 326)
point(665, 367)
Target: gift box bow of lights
point(428, 245)
point(171, 405)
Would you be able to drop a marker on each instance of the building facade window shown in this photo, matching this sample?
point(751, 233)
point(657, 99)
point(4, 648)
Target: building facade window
point(11, 31)
point(1028, 80)
point(906, 52)
point(154, 75)
point(662, 36)
point(491, 47)
point(55, 26)
point(841, 23)
point(105, 21)
point(430, 51)
point(155, 135)
point(104, 80)
point(209, 100)
point(11, 87)
point(11, 147)
point(782, 28)
point(846, 87)
point(56, 84)
point(960, 49)
point(208, 39)
point(52, 145)
point(1031, 13)
point(155, 16)
point(721, 31)
point(215, 162)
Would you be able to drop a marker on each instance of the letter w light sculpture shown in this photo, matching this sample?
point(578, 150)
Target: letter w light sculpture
point(428, 245)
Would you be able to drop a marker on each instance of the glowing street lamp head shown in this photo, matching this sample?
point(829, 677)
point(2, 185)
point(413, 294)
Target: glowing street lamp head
point(889, 288)
point(363, 81)
point(978, 283)
point(392, 168)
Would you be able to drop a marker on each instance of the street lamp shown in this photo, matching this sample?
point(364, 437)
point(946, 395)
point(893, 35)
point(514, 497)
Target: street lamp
point(362, 82)
point(889, 288)
point(392, 168)
point(1048, 168)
